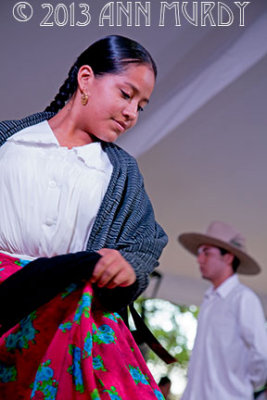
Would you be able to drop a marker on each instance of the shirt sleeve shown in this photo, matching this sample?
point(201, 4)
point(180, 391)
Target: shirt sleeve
point(253, 330)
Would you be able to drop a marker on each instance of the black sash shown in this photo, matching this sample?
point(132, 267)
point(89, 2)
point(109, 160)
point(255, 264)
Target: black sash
point(42, 279)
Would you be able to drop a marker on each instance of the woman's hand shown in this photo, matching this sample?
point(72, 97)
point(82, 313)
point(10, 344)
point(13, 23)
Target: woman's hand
point(112, 270)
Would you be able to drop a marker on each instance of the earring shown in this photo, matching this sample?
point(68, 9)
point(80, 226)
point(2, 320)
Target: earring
point(84, 99)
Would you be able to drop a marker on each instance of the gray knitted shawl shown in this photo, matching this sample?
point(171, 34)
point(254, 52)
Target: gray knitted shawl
point(125, 220)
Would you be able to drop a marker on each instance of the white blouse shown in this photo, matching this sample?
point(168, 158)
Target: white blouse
point(50, 195)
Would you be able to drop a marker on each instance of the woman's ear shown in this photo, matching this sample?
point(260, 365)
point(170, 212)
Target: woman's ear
point(84, 78)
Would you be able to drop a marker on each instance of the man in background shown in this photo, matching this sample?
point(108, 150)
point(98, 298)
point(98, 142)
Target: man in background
point(229, 358)
point(165, 386)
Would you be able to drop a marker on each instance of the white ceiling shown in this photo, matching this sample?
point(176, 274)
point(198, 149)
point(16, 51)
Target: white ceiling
point(201, 143)
point(213, 167)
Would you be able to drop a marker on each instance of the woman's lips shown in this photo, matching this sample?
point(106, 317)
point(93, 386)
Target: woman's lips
point(121, 125)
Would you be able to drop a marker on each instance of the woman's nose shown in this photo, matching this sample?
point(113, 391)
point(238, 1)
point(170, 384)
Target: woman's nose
point(131, 112)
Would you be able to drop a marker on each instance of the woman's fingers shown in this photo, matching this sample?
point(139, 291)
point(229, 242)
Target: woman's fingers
point(112, 270)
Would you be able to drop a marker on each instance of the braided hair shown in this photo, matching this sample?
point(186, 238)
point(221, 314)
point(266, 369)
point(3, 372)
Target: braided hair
point(108, 55)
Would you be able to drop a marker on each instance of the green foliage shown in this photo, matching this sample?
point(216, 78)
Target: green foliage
point(164, 320)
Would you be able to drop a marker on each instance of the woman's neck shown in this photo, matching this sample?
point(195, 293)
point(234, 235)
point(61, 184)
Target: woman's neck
point(66, 130)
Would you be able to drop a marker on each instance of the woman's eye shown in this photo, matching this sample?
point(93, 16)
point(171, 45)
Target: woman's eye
point(125, 95)
point(140, 109)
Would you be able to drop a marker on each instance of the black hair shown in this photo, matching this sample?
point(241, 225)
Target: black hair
point(236, 261)
point(164, 381)
point(108, 55)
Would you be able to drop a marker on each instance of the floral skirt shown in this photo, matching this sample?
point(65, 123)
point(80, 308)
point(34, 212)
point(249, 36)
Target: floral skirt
point(71, 348)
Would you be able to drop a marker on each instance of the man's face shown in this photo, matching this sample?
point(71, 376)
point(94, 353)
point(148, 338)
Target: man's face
point(211, 263)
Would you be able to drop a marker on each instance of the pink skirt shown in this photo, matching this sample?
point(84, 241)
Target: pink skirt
point(71, 348)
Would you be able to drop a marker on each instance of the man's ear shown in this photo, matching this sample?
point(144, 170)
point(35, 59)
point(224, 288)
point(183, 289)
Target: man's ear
point(229, 258)
point(84, 78)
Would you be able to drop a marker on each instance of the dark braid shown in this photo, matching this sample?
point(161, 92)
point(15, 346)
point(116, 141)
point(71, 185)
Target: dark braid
point(65, 91)
point(110, 55)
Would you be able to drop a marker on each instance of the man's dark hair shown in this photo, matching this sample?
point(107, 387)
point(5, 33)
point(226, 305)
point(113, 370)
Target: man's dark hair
point(164, 380)
point(236, 261)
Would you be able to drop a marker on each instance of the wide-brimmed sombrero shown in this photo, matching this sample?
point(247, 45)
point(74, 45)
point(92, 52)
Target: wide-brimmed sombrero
point(220, 234)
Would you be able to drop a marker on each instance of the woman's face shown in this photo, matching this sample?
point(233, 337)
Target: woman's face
point(115, 100)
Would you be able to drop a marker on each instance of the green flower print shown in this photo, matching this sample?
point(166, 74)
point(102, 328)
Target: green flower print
point(98, 363)
point(137, 375)
point(25, 333)
point(88, 344)
point(75, 369)
point(44, 383)
point(104, 334)
point(7, 374)
point(69, 289)
point(84, 306)
point(113, 394)
point(66, 326)
point(21, 262)
point(95, 395)
point(113, 316)
point(158, 394)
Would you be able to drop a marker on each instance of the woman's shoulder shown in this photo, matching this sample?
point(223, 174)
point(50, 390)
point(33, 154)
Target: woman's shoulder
point(125, 166)
point(119, 154)
point(10, 127)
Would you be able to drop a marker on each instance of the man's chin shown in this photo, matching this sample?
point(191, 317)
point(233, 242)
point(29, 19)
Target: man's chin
point(205, 277)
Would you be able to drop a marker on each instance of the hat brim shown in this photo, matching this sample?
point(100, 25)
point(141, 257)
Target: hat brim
point(192, 241)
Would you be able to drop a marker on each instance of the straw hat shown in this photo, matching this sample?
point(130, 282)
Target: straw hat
point(220, 234)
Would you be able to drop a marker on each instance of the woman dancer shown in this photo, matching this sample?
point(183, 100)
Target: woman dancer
point(67, 188)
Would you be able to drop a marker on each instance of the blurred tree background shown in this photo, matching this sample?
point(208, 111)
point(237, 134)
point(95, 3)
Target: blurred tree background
point(175, 327)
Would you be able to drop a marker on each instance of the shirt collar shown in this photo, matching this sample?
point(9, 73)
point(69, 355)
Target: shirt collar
point(40, 133)
point(225, 288)
point(92, 154)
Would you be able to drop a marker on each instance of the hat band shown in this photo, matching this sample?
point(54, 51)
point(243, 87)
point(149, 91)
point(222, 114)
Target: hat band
point(236, 244)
